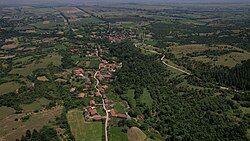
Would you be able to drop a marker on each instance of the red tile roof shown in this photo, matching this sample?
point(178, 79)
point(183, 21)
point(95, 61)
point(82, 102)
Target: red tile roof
point(91, 102)
point(97, 117)
point(81, 95)
point(97, 94)
point(92, 111)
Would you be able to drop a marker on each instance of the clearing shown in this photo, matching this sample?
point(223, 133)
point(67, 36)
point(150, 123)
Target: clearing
point(146, 98)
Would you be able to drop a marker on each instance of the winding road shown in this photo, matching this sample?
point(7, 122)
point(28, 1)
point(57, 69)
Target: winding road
point(173, 66)
point(104, 107)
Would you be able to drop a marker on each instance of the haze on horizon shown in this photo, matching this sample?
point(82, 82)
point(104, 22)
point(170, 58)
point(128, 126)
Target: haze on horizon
point(37, 2)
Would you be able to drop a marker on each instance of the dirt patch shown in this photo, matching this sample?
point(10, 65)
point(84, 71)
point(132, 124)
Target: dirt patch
point(10, 44)
point(42, 78)
point(46, 22)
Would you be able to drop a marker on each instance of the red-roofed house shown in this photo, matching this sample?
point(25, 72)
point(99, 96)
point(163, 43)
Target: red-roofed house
point(98, 94)
point(101, 65)
point(119, 115)
point(81, 95)
point(113, 113)
point(92, 111)
point(92, 102)
point(78, 72)
point(97, 117)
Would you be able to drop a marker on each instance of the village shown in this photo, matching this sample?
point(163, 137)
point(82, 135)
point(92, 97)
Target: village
point(104, 73)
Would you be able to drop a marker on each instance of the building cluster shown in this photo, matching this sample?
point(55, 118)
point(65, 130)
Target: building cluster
point(106, 69)
point(104, 72)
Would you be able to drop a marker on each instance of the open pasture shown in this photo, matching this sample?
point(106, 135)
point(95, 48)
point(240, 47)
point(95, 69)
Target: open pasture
point(216, 55)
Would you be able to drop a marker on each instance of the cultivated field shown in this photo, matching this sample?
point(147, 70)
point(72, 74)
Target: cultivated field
point(55, 59)
point(82, 130)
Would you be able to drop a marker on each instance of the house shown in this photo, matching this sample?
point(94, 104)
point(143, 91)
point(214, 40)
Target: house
point(81, 95)
point(101, 66)
point(99, 75)
point(105, 87)
point(79, 72)
point(119, 115)
point(92, 111)
point(107, 101)
point(98, 94)
point(97, 117)
point(113, 113)
point(92, 102)
point(101, 90)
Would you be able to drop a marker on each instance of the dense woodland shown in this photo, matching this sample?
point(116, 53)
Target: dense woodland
point(237, 77)
point(176, 32)
point(177, 114)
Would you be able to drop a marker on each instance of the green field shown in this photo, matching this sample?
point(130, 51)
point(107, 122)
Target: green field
point(146, 98)
point(55, 59)
point(36, 105)
point(130, 98)
point(119, 107)
point(9, 87)
point(89, 20)
point(94, 64)
point(84, 131)
point(6, 111)
point(50, 25)
point(116, 134)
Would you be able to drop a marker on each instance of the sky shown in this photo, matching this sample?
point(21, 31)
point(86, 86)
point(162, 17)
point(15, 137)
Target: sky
point(27, 2)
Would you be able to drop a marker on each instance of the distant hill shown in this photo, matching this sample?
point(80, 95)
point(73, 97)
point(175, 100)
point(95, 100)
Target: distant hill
point(32, 2)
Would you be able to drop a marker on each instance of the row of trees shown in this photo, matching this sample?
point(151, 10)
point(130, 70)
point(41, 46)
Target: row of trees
point(45, 134)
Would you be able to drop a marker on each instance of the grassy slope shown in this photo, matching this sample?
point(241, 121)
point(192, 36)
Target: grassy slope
point(36, 105)
point(6, 111)
point(11, 129)
point(146, 98)
point(9, 87)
